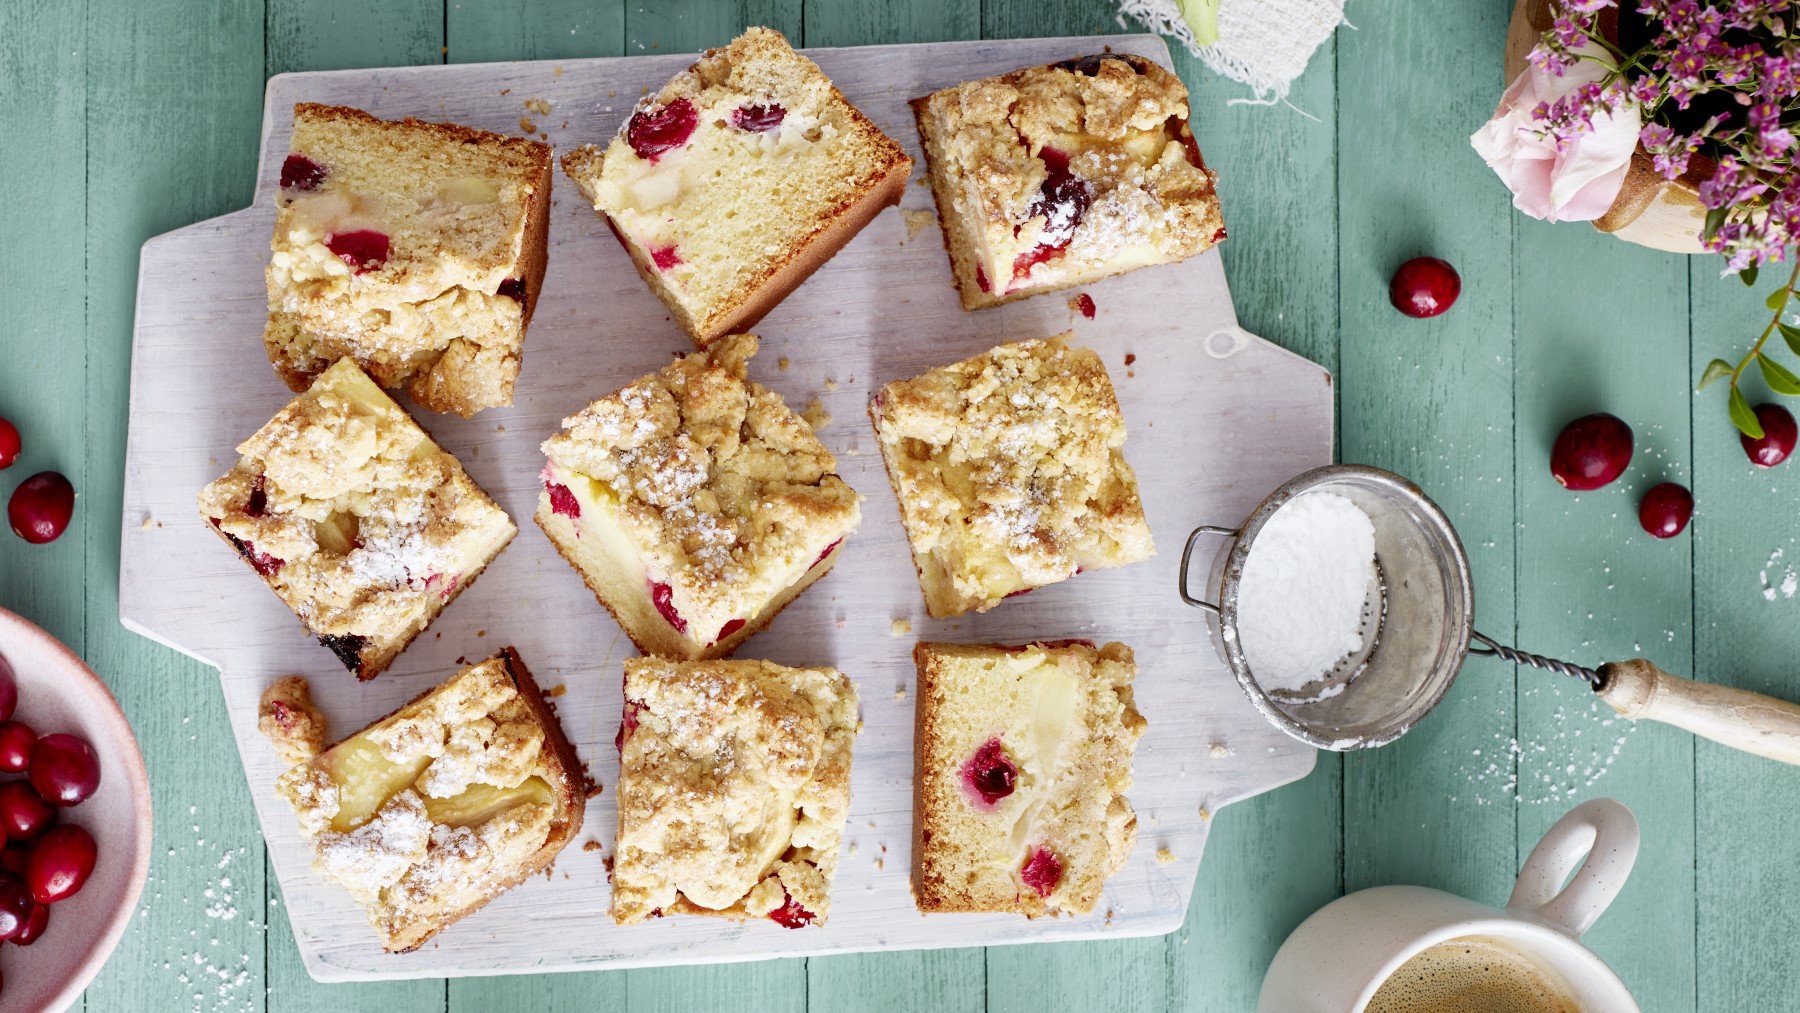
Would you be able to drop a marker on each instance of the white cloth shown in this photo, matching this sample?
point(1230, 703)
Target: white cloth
point(1262, 43)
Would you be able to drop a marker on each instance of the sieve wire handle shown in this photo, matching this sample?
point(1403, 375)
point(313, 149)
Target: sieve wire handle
point(1187, 553)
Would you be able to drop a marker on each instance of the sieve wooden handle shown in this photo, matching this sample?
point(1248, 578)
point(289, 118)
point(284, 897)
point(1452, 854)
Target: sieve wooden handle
point(1731, 717)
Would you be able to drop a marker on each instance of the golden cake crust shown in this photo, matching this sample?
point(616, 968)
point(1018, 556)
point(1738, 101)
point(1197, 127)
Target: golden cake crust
point(1009, 473)
point(467, 214)
point(733, 790)
point(818, 192)
point(1062, 714)
point(486, 729)
point(725, 496)
point(355, 518)
point(1007, 156)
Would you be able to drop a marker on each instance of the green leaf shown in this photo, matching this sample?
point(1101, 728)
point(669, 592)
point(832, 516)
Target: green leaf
point(1777, 299)
point(1743, 417)
point(1202, 17)
point(1778, 377)
point(1748, 276)
point(1714, 219)
point(1792, 336)
point(1718, 369)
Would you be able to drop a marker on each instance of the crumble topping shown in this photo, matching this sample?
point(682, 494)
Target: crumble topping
point(1052, 176)
point(1009, 472)
point(723, 490)
point(361, 524)
point(480, 807)
point(287, 718)
point(734, 787)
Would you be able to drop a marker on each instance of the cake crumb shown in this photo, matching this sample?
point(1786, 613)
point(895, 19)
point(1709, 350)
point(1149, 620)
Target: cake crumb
point(1130, 357)
point(830, 384)
point(880, 863)
point(537, 105)
point(815, 415)
point(1205, 813)
point(1084, 305)
point(148, 523)
point(557, 690)
point(591, 844)
point(499, 429)
point(556, 71)
point(481, 633)
point(782, 363)
point(1218, 750)
point(899, 627)
point(916, 221)
point(852, 847)
point(841, 624)
point(526, 125)
point(506, 91)
point(899, 692)
point(1164, 856)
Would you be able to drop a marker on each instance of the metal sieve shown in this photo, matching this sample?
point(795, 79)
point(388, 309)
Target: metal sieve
point(1418, 615)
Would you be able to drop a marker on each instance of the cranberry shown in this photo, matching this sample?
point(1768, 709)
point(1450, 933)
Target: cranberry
point(1089, 66)
point(41, 507)
point(990, 774)
point(1084, 303)
point(23, 812)
point(1777, 439)
point(16, 740)
point(1219, 236)
point(1665, 510)
point(758, 119)
point(1039, 254)
point(15, 906)
point(663, 596)
point(9, 691)
point(363, 249)
point(60, 863)
point(258, 503)
point(791, 915)
point(562, 501)
point(301, 173)
point(654, 131)
point(1590, 452)
point(628, 723)
point(64, 769)
point(13, 858)
point(981, 279)
point(514, 289)
point(263, 563)
point(827, 552)
point(9, 444)
point(1042, 871)
point(731, 626)
point(1020, 591)
point(34, 925)
point(664, 257)
point(1061, 201)
point(1424, 287)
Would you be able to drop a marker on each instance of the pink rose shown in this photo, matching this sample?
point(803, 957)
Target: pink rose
point(1579, 181)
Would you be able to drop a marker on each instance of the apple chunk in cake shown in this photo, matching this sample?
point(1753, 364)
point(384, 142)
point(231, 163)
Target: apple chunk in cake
point(1056, 176)
point(438, 808)
point(1009, 472)
point(694, 503)
point(416, 248)
point(734, 783)
point(355, 518)
point(1022, 756)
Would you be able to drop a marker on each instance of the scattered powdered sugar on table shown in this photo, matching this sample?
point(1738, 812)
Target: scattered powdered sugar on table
point(1786, 581)
point(1301, 597)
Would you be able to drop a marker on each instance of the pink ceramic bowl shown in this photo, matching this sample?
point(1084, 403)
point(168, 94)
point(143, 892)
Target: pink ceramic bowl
point(58, 693)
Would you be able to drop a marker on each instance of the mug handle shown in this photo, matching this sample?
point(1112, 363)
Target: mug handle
point(1603, 830)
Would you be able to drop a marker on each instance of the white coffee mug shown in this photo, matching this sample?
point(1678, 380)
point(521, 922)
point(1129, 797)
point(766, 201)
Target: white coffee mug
point(1337, 959)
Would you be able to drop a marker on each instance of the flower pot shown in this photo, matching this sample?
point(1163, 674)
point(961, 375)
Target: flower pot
point(1662, 214)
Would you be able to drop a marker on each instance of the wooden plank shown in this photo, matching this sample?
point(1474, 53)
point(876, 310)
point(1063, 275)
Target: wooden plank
point(1430, 400)
point(533, 30)
point(1273, 860)
point(362, 35)
point(860, 23)
point(1595, 587)
point(43, 214)
point(1744, 813)
point(689, 26)
point(173, 99)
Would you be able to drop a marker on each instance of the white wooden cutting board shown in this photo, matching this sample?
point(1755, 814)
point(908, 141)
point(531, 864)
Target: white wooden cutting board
point(1218, 418)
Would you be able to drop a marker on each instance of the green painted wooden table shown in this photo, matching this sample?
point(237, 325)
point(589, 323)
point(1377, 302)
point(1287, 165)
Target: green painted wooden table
point(127, 119)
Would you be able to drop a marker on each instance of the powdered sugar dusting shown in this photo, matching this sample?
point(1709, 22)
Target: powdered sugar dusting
point(1300, 600)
